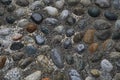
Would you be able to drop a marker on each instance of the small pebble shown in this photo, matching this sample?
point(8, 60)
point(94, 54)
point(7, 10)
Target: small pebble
point(70, 32)
point(77, 37)
point(39, 39)
point(80, 48)
point(103, 3)
point(6, 2)
point(71, 20)
point(116, 4)
point(22, 3)
point(10, 19)
point(2, 61)
point(94, 11)
point(110, 15)
point(115, 55)
point(93, 47)
point(37, 18)
point(67, 43)
point(31, 27)
point(16, 46)
point(95, 73)
point(69, 59)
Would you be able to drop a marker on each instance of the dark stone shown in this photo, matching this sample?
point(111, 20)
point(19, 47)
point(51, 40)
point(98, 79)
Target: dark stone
point(11, 8)
point(67, 43)
point(56, 58)
point(70, 32)
point(16, 46)
point(116, 4)
point(77, 37)
point(37, 18)
point(17, 56)
point(117, 46)
point(30, 50)
point(96, 57)
point(40, 40)
point(116, 35)
point(6, 2)
point(69, 59)
point(10, 19)
point(82, 24)
point(80, 64)
point(94, 11)
point(71, 20)
point(44, 29)
point(110, 15)
point(2, 11)
point(22, 3)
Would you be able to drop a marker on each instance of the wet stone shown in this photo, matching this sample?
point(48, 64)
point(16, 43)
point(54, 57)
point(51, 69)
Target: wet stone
point(6, 2)
point(101, 24)
point(94, 11)
point(31, 27)
point(103, 35)
point(70, 32)
point(2, 61)
point(40, 40)
point(22, 3)
point(10, 19)
point(57, 58)
point(103, 3)
point(110, 15)
point(69, 59)
point(25, 62)
point(16, 46)
point(37, 18)
point(74, 75)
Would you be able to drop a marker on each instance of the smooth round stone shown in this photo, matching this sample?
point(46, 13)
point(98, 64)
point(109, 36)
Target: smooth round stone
point(101, 24)
point(89, 78)
point(31, 27)
point(67, 43)
point(56, 58)
point(25, 62)
point(70, 32)
point(30, 50)
point(116, 35)
point(57, 39)
point(117, 25)
point(74, 75)
point(60, 29)
point(106, 65)
point(73, 2)
point(69, 59)
point(22, 3)
point(82, 24)
point(44, 29)
point(37, 18)
point(80, 48)
point(71, 20)
point(13, 74)
point(95, 73)
point(17, 36)
point(110, 15)
point(6, 2)
point(103, 35)
point(116, 4)
point(20, 12)
point(103, 3)
point(51, 21)
point(77, 37)
point(64, 14)
point(16, 46)
point(11, 8)
point(10, 19)
point(60, 76)
point(94, 11)
point(2, 61)
point(39, 39)
point(22, 23)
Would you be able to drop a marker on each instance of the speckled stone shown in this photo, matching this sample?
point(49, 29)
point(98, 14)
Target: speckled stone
point(22, 3)
point(16, 46)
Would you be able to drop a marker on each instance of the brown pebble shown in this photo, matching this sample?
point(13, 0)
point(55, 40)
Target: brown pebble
point(89, 36)
point(95, 73)
point(93, 47)
point(2, 61)
point(31, 27)
point(17, 37)
point(77, 37)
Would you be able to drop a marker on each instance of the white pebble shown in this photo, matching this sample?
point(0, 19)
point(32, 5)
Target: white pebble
point(64, 14)
point(106, 65)
point(59, 4)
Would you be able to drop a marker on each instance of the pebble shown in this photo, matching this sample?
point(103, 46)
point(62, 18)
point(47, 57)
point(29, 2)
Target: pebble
point(5, 31)
point(89, 36)
point(118, 64)
point(37, 18)
point(57, 58)
point(80, 64)
point(85, 2)
point(82, 24)
point(117, 48)
point(64, 14)
point(67, 43)
point(94, 11)
point(59, 4)
point(96, 57)
point(14, 74)
point(95, 73)
point(101, 24)
point(80, 48)
point(51, 10)
point(17, 36)
point(6, 2)
point(51, 21)
point(10, 19)
point(30, 50)
point(46, 78)
point(2, 61)
point(45, 48)
point(116, 35)
point(89, 78)
point(31, 27)
point(11, 8)
point(115, 55)
point(108, 44)
point(74, 75)
point(57, 39)
point(73, 2)
point(117, 76)
point(16, 46)
point(110, 15)
point(44, 29)
point(34, 76)
point(103, 35)
point(93, 47)
point(40, 40)
point(106, 65)
point(70, 32)
point(17, 56)
point(20, 12)
point(71, 20)
point(2, 11)
point(25, 62)
point(103, 3)
point(77, 37)
point(78, 11)
point(22, 3)
point(22, 22)
point(116, 4)
point(59, 29)
point(69, 59)
point(117, 25)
